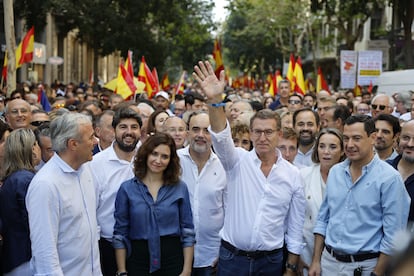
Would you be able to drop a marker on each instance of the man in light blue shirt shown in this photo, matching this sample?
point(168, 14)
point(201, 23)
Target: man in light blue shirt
point(61, 204)
point(365, 205)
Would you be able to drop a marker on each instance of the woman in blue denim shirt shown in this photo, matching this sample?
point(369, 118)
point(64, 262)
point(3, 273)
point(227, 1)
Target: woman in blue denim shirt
point(154, 231)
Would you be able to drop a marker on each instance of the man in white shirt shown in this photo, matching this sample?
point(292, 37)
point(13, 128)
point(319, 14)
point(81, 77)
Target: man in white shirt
point(61, 203)
point(206, 181)
point(265, 199)
point(306, 124)
point(110, 168)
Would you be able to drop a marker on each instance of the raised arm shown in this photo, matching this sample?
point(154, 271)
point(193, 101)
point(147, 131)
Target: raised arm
point(213, 88)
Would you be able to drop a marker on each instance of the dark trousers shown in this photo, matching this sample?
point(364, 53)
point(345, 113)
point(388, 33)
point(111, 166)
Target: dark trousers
point(108, 261)
point(172, 258)
point(203, 271)
point(230, 264)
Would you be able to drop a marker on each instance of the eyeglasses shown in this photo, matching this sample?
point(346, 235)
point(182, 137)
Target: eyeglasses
point(267, 132)
point(38, 123)
point(294, 101)
point(381, 107)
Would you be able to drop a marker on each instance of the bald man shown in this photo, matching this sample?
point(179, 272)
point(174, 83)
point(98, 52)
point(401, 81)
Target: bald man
point(18, 114)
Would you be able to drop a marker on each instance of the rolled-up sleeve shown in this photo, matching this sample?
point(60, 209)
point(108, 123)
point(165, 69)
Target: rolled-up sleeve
point(122, 221)
point(296, 217)
point(186, 219)
point(395, 211)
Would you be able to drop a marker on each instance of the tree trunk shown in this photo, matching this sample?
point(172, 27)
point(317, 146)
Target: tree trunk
point(95, 70)
point(11, 45)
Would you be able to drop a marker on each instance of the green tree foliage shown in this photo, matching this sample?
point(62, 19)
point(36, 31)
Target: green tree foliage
point(262, 33)
point(347, 16)
point(166, 32)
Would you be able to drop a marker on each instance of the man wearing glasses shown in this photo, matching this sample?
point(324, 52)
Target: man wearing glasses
point(38, 118)
point(265, 202)
point(382, 104)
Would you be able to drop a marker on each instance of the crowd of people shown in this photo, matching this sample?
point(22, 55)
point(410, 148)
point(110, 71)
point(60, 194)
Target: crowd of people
point(216, 181)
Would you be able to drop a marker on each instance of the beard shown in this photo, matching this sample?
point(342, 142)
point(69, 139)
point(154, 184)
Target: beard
point(127, 147)
point(406, 157)
point(200, 148)
point(306, 141)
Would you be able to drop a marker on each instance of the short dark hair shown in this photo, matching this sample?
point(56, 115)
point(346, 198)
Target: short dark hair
point(393, 121)
point(296, 113)
point(266, 114)
point(173, 171)
point(192, 96)
point(341, 112)
point(125, 113)
point(328, 130)
point(369, 124)
point(151, 120)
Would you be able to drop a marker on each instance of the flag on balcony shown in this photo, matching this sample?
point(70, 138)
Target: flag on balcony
point(24, 52)
point(125, 84)
point(290, 72)
point(146, 77)
point(218, 58)
point(298, 77)
point(321, 83)
point(165, 83)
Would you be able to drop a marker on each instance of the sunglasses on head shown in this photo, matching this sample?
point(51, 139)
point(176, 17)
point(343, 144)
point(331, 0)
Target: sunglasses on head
point(381, 107)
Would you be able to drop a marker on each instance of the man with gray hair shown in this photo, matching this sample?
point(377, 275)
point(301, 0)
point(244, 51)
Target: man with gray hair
point(61, 203)
point(382, 104)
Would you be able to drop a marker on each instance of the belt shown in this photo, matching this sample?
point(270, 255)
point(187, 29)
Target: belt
point(350, 258)
point(250, 254)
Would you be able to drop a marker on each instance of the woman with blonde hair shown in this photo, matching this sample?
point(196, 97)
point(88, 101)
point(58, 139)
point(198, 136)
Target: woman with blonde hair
point(22, 154)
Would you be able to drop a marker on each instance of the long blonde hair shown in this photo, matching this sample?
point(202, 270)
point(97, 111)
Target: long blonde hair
point(18, 153)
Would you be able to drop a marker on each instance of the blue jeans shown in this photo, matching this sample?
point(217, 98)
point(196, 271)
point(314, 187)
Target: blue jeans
point(230, 264)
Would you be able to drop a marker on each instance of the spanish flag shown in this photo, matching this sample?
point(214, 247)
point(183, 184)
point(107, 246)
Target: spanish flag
point(146, 77)
point(321, 83)
point(298, 76)
point(290, 72)
point(24, 52)
point(125, 84)
point(218, 58)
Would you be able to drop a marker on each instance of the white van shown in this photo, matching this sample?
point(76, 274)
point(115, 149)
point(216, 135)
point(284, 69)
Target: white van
point(395, 81)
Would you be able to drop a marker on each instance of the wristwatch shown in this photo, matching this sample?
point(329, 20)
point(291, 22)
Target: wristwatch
point(292, 267)
point(124, 273)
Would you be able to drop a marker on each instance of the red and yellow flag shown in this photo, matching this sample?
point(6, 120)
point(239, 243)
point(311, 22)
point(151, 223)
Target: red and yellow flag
point(125, 84)
point(24, 52)
point(321, 83)
point(165, 83)
point(154, 74)
point(218, 58)
point(128, 64)
point(146, 77)
point(290, 72)
point(299, 79)
point(274, 84)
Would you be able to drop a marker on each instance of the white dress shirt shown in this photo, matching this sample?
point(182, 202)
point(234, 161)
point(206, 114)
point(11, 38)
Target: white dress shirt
point(109, 172)
point(62, 218)
point(262, 212)
point(303, 160)
point(207, 195)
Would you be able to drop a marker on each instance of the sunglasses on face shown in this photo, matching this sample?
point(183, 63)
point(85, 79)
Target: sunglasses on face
point(38, 123)
point(381, 107)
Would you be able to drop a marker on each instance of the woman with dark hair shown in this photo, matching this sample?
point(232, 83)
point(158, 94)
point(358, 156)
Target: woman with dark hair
point(156, 121)
point(154, 231)
point(22, 154)
point(328, 151)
